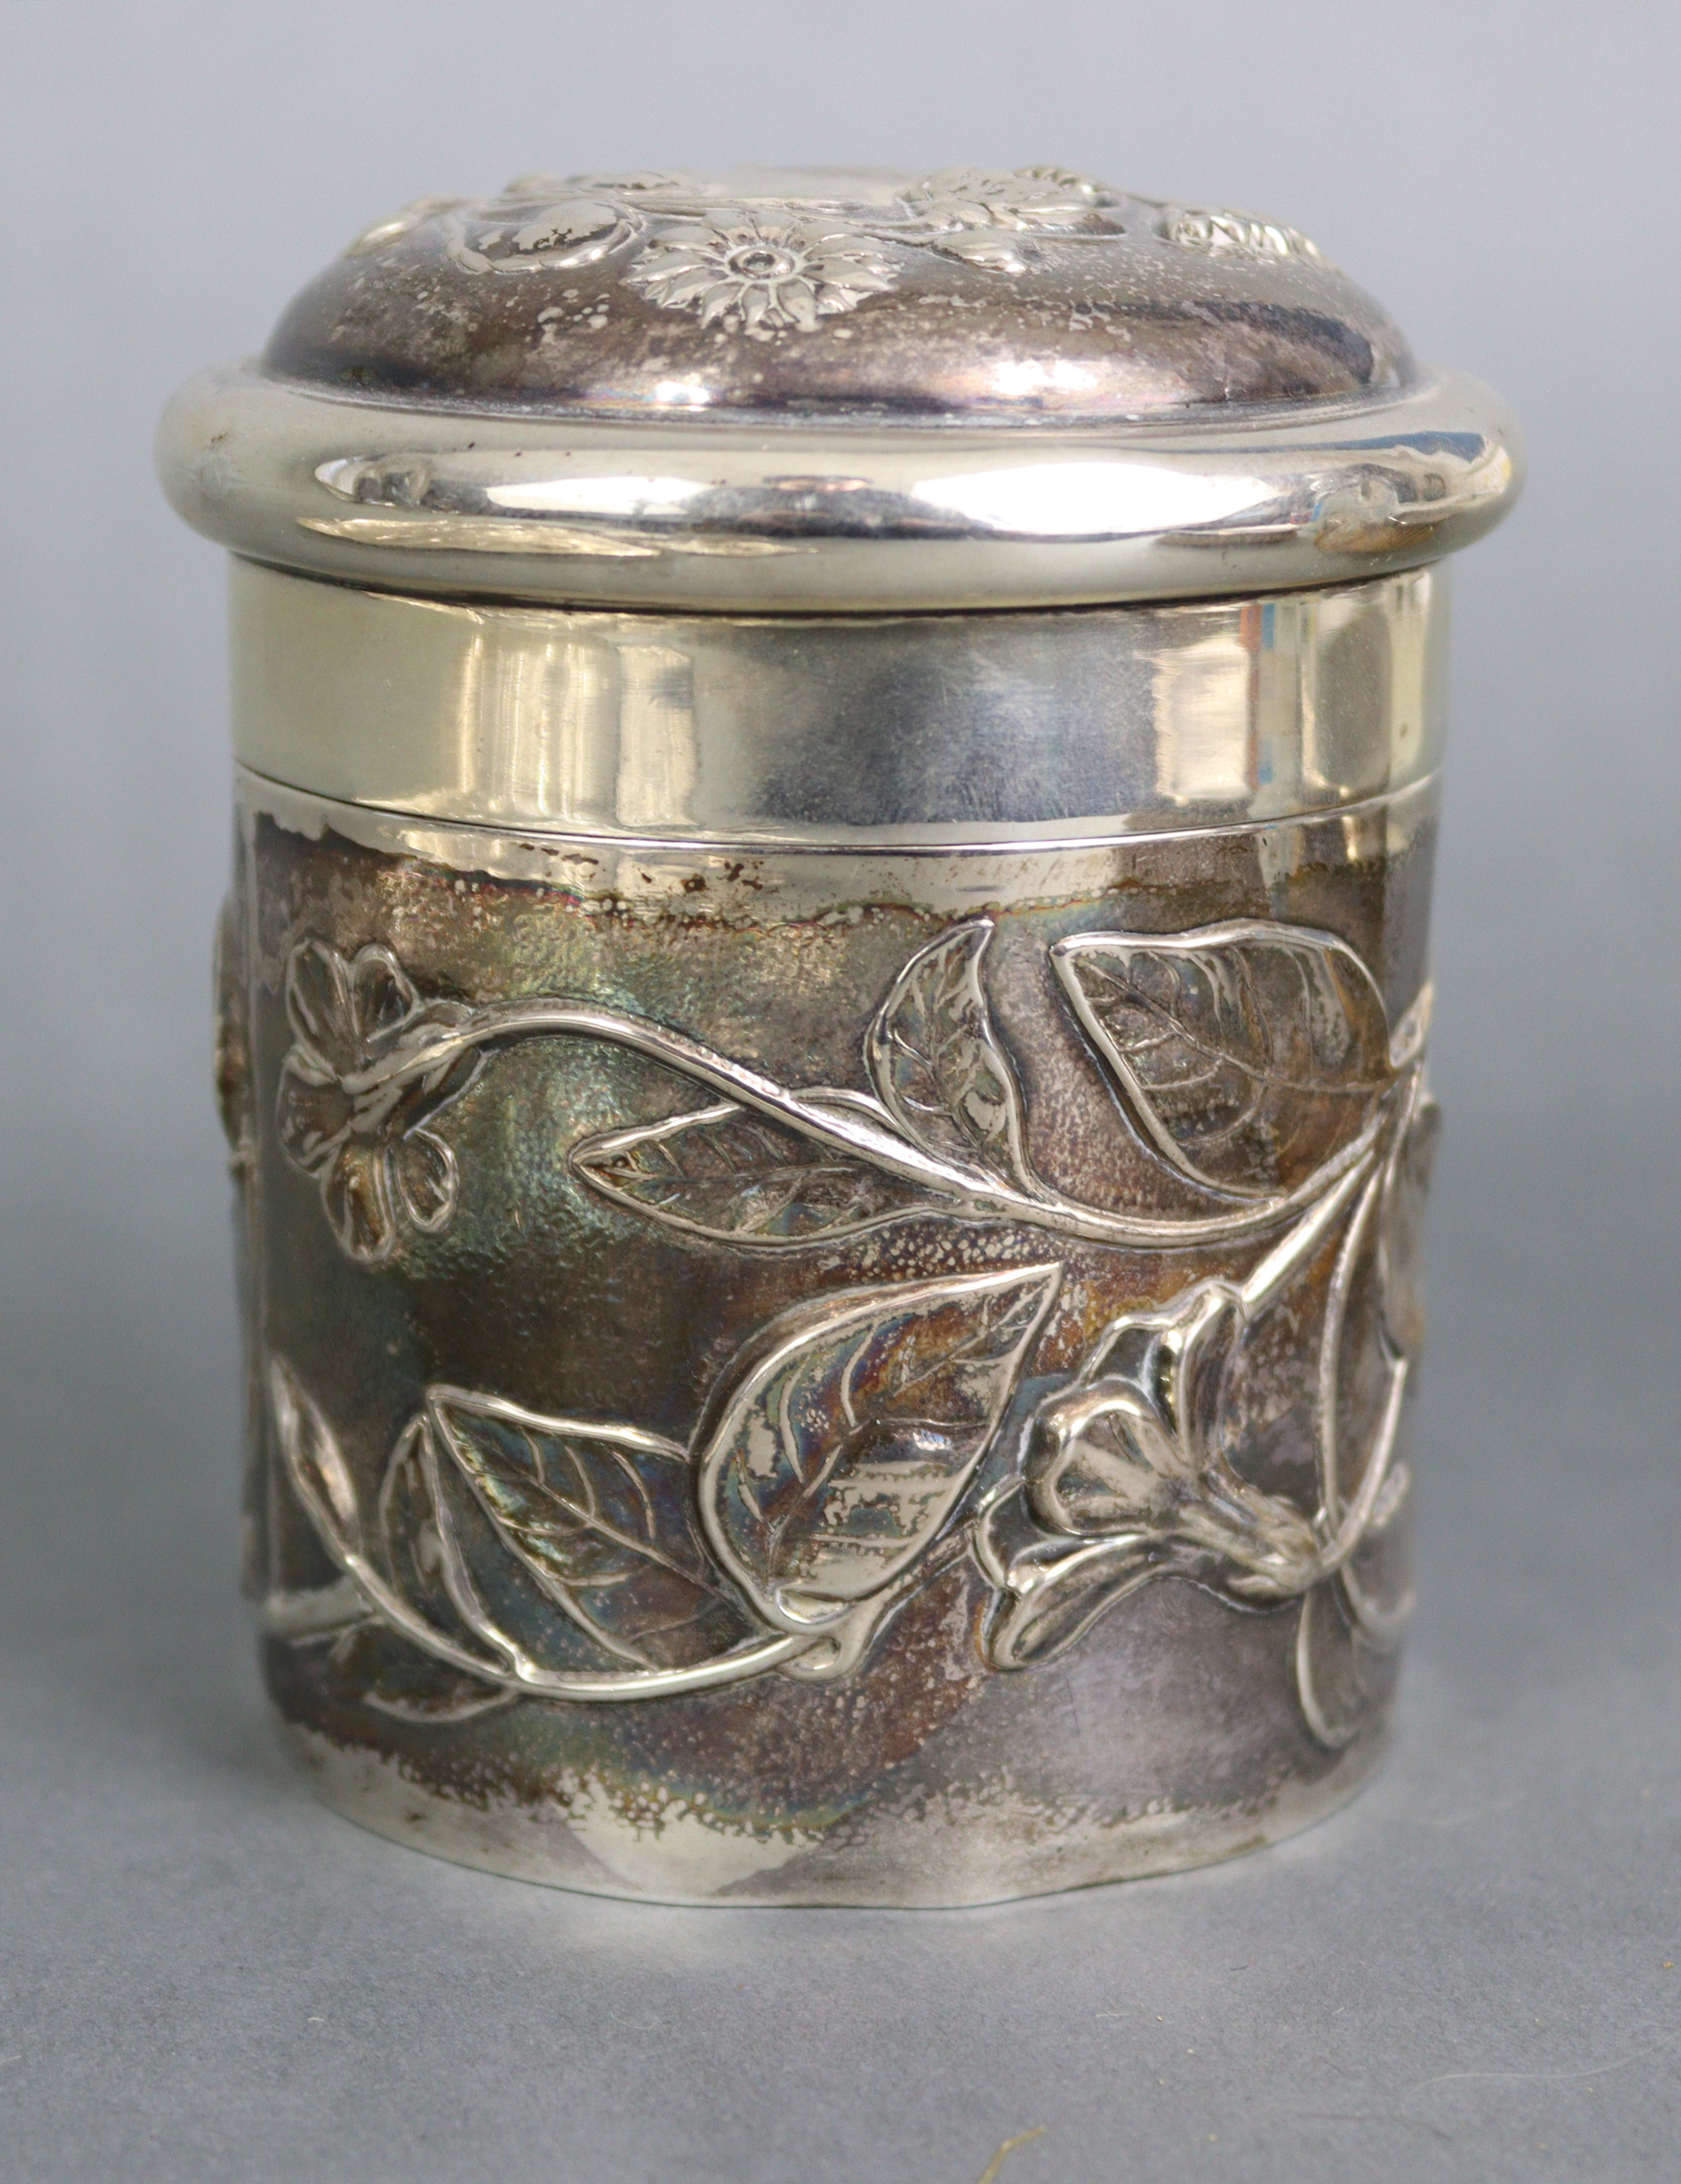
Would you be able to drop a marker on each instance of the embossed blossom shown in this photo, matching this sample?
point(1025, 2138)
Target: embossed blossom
point(376, 1166)
point(761, 274)
point(1134, 1445)
point(1019, 198)
point(1129, 1478)
point(977, 214)
point(1207, 228)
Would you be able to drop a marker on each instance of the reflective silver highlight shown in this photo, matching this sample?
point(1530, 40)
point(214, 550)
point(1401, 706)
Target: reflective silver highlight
point(931, 730)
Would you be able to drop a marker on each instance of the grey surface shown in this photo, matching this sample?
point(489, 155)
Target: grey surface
point(1464, 1976)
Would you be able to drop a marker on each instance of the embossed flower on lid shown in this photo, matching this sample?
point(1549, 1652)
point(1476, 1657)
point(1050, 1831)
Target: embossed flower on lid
point(976, 211)
point(1203, 227)
point(1012, 197)
point(1021, 296)
point(758, 275)
point(346, 1118)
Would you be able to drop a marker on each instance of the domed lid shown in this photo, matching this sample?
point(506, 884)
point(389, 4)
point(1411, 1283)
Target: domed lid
point(835, 390)
point(961, 296)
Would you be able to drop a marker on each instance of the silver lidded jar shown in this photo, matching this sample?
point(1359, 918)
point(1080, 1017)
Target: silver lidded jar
point(823, 1020)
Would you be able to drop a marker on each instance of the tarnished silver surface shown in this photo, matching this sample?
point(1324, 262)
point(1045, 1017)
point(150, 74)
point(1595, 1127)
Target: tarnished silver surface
point(831, 1190)
point(769, 293)
point(729, 1353)
point(907, 729)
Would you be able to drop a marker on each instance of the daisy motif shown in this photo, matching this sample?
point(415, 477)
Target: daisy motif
point(759, 274)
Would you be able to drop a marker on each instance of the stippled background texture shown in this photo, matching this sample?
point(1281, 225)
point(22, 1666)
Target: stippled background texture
point(1469, 1975)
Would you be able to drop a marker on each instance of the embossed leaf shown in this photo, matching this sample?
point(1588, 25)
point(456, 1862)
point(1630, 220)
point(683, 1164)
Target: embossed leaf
point(374, 1662)
point(316, 1462)
point(937, 1061)
point(1249, 1054)
point(600, 1517)
point(727, 1173)
point(1404, 1190)
point(410, 1543)
point(996, 252)
point(846, 1441)
point(574, 221)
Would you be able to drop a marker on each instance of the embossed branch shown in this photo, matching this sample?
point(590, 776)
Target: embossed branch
point(776, 267)
point(830, 1473)
point(1129, 1479)
point(946, 1116)
point(815, 1497)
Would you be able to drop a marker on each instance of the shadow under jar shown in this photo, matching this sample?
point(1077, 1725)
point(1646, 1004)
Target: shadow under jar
point(823, 1020)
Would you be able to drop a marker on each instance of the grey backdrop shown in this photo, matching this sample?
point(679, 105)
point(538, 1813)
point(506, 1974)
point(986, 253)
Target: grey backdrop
point(1471, 1974)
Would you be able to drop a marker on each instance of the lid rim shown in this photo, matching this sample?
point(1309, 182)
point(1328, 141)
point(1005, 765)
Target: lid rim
point(565, 507)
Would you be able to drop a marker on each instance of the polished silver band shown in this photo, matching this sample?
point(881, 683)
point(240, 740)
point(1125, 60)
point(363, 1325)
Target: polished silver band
point(900, 731)
point(678, 515)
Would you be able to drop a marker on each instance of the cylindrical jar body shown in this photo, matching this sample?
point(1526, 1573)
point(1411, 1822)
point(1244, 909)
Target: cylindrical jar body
point(830, 1213)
